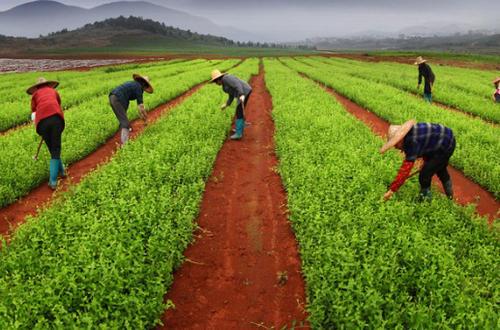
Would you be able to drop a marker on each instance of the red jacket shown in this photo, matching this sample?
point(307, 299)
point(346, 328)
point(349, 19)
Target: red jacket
point(45, 102)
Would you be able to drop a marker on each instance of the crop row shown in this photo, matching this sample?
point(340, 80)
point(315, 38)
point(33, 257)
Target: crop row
point(477, 142)
point(88, 126)
point(453, 87)
point(368, 264)
point(80, 89)
point(103, 256)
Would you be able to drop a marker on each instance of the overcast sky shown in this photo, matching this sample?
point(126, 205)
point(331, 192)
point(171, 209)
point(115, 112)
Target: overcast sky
point(298, 19)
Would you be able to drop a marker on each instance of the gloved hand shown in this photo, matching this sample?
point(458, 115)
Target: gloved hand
point(32, 116)
point(388, 195)
point(242, 98)
point(223, 106)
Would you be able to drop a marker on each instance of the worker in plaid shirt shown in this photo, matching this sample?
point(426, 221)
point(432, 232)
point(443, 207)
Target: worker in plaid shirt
point(434, 143)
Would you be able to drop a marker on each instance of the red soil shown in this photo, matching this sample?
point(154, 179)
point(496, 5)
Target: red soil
point(243, 271)
point(465, 190)
point(14, 214)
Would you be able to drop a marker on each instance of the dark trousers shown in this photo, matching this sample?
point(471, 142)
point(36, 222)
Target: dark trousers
point(436, 164)
point(119, 110)
point(51, 129)
point(239, 107)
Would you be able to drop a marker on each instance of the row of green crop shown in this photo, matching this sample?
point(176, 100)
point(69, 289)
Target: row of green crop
point(14, 86)
point(369, 264)
point(451, 86)
point(477, 142)
point(88, 125)
point(80, 89)
point(103, 256)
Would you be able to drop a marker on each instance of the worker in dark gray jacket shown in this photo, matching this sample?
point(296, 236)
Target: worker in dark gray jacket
point(236, 88)
point(121, 96)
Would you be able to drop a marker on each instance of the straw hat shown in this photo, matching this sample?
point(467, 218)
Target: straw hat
point(496, 81)
point(396, 134)
point(149, 87)
point(41, 82)
point(420, 60)
point(216, 74)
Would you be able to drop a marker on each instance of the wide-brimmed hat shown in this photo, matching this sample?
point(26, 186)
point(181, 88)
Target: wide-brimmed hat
point(397, 133)
point(496, 80)
point(41, 82)
point(149, 87)
point(420, 60)
point(216, 74)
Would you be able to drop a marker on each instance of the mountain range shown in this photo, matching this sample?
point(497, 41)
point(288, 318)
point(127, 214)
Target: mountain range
point(45, 16)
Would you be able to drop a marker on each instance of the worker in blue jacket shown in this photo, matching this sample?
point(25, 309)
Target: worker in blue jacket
point(121, 96)
point(236, 88)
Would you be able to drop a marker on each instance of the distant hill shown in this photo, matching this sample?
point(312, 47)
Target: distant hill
point(470, 42)
point(45, 16)
point(120, 33)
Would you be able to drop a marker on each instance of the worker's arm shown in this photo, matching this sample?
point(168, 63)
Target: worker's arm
point(142, 111)
point(403, 174)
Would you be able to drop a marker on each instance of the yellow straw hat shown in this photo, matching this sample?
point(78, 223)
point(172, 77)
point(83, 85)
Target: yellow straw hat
point(397, 133)
point(216, 74)
point(420, 60)
point(41, 82)
point(149, 87)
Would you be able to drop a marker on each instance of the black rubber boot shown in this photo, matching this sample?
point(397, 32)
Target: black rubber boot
point(448, 189)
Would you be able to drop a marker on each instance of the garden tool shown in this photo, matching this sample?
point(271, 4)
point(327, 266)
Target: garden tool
point(35, 157)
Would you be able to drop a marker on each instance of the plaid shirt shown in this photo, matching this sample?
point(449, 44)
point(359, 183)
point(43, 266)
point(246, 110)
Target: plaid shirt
point(424, 139)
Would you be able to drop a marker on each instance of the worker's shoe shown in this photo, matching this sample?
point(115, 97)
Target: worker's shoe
point(124, 135)
point(425, 195)
point(240, 125)
point(448, 189)
point(54, 171)
point(247, 123)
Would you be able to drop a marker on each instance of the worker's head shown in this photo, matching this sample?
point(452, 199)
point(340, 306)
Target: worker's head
point(217, 77)
point(420, 60)
point(396, 135)
point(144, 81)
point(496, 82)
point(40, 83)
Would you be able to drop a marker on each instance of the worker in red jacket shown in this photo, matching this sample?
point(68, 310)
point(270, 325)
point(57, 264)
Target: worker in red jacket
point(49, 123)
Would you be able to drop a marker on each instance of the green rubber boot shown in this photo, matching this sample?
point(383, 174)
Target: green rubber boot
point(240, 125)
point(54, 171)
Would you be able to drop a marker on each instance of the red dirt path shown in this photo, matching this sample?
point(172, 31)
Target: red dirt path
point(14, 214)
point(465, 190)
point(231, 279)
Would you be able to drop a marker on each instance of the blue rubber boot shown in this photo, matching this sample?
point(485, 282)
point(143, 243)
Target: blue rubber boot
point(62, 172)
point(54, 171)
point(240, 125)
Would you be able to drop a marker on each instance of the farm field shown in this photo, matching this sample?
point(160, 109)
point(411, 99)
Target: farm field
point(184, 228)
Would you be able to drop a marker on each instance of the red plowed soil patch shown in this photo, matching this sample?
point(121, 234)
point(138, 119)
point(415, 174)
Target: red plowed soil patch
point(465, 190)
point(14, 214)
point(243, 271)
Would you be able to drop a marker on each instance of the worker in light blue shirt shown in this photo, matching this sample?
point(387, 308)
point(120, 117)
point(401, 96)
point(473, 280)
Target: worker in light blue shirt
point(120, 98)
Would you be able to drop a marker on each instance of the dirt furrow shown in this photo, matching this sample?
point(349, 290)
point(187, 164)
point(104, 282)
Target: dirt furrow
point(466, 191)
point(243, 270)
point(14, 214)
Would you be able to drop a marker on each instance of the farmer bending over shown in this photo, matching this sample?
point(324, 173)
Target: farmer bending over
point(236, 88)
point(496, 94)
point(425, 71)
point(49, 123)
point(434, 142)
point(120, 97)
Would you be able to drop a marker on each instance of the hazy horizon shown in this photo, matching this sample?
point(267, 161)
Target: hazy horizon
point(291, 20)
